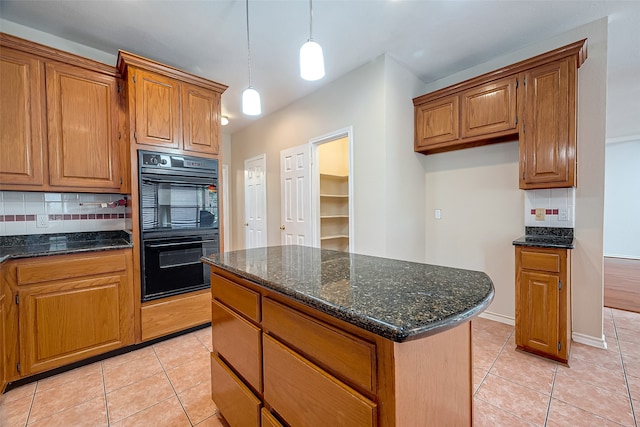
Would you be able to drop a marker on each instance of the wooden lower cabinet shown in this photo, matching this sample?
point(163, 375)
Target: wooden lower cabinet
point(315, 370)
point(67, 308)
point(3, 376)
point(543, 301)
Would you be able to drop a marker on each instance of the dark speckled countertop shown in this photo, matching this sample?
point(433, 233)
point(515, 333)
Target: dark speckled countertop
point(398, 300)
point(36, 245)
point(547, 237)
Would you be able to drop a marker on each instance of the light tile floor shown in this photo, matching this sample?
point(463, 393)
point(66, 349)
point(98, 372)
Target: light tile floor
point(168, 384)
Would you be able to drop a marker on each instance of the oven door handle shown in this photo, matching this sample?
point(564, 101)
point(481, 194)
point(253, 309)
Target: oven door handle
point(166, 245)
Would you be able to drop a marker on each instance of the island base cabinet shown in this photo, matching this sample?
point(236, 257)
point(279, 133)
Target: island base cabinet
point(239, 406)
point(320, 399)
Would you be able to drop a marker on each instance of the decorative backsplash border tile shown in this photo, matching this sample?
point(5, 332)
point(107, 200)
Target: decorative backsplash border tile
point(65, 212)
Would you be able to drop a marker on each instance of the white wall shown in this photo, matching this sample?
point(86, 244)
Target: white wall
point(488, 219)
point(622, 199)
point(358, 99)
point(57, 42)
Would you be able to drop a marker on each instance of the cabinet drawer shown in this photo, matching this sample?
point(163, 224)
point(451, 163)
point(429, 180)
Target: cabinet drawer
point(269, 420)
point(305, 395)
point(238, 297)
point(238, 342)
point(541, 261)
point(69, 267)
point(238, 405)
point(350, 358)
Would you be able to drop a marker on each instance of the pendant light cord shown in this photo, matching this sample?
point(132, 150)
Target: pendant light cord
point(248, 43)
point(310, 19)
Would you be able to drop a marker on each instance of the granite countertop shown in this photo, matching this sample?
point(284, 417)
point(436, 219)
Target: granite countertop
point(36, 245)
point(397, 300)
point(547, 237)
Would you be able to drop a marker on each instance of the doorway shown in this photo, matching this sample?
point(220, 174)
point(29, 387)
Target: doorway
point(255, 202)
point(333, 191)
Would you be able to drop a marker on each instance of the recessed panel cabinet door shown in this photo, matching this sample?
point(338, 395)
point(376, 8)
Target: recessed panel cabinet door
point(538, 306)
point(200, 119)
point(70, 321)
point(548, 137)
point(21, 118)
point(82, 127)
point(157, 110)
point(489, 108)
point(437, 122)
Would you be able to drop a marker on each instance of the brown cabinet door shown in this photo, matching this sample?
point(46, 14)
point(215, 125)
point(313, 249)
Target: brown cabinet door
point(548, 134)
point(70, 321)
point(82, 114)
point(200, 119)
point(437, 122)
point(82, 308)
point(489, 108)
point(537, 314)
point(157, 110)
point(21, 118)
point(3, 375)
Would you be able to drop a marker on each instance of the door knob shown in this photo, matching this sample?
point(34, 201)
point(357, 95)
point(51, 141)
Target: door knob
point(246, 224)
point(282, 227)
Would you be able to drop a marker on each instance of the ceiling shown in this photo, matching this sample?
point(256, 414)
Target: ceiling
point(431, 38)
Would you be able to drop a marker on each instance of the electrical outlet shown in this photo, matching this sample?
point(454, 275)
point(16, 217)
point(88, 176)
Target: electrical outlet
point(563, 214)
point(42, 221)
point(437, 213)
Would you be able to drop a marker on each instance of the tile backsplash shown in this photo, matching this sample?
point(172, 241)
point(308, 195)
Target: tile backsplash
point(62, 212)
point(554, 208)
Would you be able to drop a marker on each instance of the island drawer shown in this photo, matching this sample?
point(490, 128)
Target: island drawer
point(346, 356)
point(241, 299)
point(304, 394)
point(541, 260)
point(238, 404)
point(238, 342)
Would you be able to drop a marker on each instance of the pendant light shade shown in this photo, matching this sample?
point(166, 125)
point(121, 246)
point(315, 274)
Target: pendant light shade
point(311, 57)
point(251, 102)
point(311, 61)
point(250, 97)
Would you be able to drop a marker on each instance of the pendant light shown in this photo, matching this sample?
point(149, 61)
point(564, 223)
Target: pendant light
point(311, 58)
point(250, 97)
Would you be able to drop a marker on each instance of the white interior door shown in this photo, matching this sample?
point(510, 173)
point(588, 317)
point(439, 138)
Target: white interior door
point(295, 228)
point(255, 202)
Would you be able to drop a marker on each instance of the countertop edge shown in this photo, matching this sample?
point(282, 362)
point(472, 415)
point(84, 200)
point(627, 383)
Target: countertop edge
point(64, 252)
point(382, 329)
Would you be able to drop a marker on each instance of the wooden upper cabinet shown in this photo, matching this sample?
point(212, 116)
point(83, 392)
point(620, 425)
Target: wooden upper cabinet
point(548, 136)
point(21, 119)
point(157, 119)
point(532, 100)
point(171, 108)
point(82, 119)
point(437, 122)
point(200, 119)
point(489, 108)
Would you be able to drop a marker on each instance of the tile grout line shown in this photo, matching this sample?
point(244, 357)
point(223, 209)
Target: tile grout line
point(624, 369)
point(104, 389)
point(553, 384)
point(164, 371)
point(33, 399)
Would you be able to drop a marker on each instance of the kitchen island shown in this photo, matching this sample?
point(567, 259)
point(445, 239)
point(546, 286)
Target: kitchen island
point(306, 336)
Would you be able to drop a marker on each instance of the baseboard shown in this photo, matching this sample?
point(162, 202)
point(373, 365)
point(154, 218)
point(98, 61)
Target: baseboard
point(636, 257)
point(589, 340)
point(498, 318)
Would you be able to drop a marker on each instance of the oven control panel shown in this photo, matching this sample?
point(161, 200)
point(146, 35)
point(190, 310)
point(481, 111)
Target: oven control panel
point(152, 159)
point(169, 161)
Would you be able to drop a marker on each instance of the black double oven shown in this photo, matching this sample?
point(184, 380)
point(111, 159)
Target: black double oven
point(178, 222)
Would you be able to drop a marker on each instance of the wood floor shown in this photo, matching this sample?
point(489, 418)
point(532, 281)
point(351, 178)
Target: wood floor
point(622, 283)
